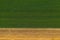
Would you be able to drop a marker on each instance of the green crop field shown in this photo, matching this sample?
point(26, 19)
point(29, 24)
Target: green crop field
point(30, 13)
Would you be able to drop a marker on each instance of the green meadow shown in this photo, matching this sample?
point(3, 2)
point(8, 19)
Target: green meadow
point(29, 13)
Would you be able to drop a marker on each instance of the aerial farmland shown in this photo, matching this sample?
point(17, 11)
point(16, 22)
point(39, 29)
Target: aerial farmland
point(30, 13)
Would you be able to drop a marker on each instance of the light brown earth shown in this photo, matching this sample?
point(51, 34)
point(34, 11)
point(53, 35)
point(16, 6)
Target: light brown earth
point(29, 33)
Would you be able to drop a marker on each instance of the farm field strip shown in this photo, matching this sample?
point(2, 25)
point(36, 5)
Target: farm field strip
point(29, 33)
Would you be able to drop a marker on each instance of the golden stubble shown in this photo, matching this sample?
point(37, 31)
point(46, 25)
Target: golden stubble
point(29, 34)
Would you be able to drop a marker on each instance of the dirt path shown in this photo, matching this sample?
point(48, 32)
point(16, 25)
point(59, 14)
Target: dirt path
point(29, 33)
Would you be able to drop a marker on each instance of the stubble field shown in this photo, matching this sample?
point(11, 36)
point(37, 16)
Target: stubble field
point(29, 33)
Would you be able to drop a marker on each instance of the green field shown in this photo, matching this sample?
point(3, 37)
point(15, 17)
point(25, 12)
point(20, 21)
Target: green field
point(30, 13)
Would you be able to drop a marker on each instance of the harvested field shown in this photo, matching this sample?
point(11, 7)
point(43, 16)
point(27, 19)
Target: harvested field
point(29, 34)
